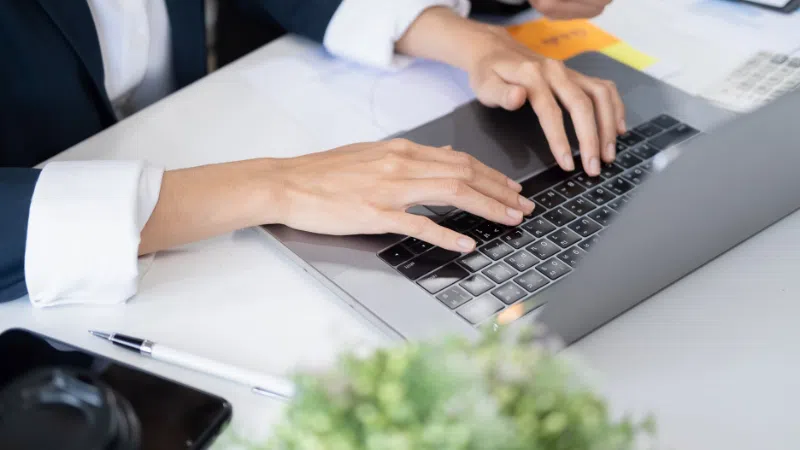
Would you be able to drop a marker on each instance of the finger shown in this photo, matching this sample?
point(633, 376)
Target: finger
point(450, 192)
point(448, 156)
point(581, 109)
point(427, 230)
point(487, 186)
point(529, 76)
point(606, 117)
point(493, 92)
point(564, 10)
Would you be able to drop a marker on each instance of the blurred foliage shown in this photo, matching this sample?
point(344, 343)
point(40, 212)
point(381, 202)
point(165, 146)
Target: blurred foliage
point(498, 392)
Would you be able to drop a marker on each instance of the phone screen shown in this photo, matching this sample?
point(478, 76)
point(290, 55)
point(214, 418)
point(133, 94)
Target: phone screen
point(170, 415)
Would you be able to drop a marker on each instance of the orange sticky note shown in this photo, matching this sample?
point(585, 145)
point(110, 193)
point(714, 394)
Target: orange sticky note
point(561, 39)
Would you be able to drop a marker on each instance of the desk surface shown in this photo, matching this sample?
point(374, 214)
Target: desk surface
point(714, 356)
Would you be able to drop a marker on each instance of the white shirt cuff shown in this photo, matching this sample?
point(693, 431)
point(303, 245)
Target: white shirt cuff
point(83, 231)
point(366, 31)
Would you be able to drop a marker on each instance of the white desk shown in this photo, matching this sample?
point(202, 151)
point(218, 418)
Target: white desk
point(719, 368)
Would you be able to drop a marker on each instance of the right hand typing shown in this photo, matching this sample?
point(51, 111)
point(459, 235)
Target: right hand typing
point(367, 188)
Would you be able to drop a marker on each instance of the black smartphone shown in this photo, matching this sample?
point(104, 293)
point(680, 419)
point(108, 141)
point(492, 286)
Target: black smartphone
point(54, 395)
point(784, 6)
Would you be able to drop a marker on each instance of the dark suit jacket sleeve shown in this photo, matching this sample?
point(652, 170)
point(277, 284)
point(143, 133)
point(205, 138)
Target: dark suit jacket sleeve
point(16, 191)
point(307, 18)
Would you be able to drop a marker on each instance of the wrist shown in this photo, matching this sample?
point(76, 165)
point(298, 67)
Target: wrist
point(442, 35)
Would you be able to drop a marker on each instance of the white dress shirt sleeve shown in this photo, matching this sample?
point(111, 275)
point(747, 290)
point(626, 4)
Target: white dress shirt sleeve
point(366, 31)
point(83, 231)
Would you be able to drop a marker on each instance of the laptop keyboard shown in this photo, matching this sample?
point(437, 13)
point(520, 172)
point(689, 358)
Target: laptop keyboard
point(512, 263)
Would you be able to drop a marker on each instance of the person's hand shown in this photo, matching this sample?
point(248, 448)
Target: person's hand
point(504, 73)
point(367, 188)
point(569, 9)
point(507, 74)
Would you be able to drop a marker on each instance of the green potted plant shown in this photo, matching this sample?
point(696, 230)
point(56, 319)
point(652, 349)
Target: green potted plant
point(498, 392)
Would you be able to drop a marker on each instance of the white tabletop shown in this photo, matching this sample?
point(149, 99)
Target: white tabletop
point(714, 356)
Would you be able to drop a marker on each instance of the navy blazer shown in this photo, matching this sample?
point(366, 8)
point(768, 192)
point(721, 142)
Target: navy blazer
point(52, 93)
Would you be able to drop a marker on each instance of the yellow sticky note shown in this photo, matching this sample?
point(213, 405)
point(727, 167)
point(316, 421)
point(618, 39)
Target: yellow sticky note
point(626, 54)
point(562, 39)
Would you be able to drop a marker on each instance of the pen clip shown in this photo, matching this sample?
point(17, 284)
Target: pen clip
point(271, 394)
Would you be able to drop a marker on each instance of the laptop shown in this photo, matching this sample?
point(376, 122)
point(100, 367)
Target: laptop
point(690, 182)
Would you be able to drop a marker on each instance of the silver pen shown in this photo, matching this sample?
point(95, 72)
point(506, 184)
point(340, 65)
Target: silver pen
point(270, 386)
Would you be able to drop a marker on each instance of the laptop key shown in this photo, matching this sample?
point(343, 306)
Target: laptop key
point(427, 262)
point(479, 309)
point(454, 297)
point(475, 261)
point(665, 121)
point(570, 189)
point(619, 186)
point(610, 170)
point(599, 196)
point(619, 203)
point(587, 244)
point(461, 221)
point(549, 199)
point(630, 138)
point(564, 237)
point(627, 160)
point(636, 175)
point(645, 151)
point(584, 227)
point(477, 284)
point(442, 278)
point(489, 230)
point(538, 227)
point(672, 137)
point(521, 260)
point(648, 129)
point(532, 281)
point(580, 206)
point(499, 273)
point(509, 293)
point(417, 246)
point(517, 238)
point(587, 181)
point(553, 269)
point(395, 255)
point(603, 215)
point(621, 147)
point(559, 217)
point(496, 249)
point(543, 249)
point(572, 256)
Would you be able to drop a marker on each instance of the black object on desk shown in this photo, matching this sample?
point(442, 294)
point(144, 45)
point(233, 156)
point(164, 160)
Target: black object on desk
point(55, 396)
point(788, 8)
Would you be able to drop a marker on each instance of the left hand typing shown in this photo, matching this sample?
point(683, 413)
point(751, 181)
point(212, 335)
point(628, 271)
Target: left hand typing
point(504, 73)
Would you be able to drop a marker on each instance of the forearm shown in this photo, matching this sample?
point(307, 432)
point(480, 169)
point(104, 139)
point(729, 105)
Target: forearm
point(206, 201)
point(442, 35)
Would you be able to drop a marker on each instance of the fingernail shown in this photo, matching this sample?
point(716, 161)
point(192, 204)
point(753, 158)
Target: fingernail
point(594, 166)
point(514, 213)
point(611, 151)
point(514, 185)
point(526, 204)
point(466, 243)
point(622, 126)
point(567, 163)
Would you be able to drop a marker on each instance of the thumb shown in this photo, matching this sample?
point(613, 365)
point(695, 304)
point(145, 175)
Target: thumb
point(493, 91)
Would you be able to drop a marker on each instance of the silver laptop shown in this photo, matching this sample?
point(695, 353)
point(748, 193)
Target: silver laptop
point(689, 183)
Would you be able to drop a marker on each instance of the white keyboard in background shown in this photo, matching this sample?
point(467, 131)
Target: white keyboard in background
point(762, 78)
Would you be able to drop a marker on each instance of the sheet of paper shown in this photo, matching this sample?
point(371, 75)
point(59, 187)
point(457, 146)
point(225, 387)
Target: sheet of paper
point(363, 103)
